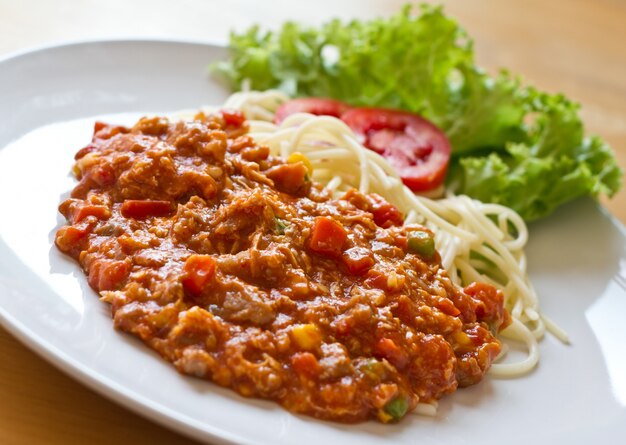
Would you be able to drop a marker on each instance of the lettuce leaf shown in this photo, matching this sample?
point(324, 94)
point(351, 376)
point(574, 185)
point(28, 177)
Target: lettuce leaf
point(511, 144)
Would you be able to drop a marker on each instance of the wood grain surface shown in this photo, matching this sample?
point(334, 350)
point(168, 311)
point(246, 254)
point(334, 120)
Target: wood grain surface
point(573, 46)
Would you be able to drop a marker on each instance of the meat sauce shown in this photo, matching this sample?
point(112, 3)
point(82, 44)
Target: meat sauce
point(237, 268)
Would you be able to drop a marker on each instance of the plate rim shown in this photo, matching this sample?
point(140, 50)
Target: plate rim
point(63, 43)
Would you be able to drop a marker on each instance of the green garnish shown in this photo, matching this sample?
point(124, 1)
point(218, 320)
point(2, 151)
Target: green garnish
point(373, 369)
point(511, 143)
point(421, 243)
point(281, 226)
point(397, 408)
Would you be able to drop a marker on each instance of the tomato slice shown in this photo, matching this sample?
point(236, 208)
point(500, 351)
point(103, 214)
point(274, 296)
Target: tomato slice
point(417, 149)
point(314, 105)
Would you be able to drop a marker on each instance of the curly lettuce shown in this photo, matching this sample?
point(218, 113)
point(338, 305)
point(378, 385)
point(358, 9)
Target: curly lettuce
point(511, 144)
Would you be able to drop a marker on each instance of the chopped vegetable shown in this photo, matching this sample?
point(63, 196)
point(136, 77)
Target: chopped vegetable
point(385, 214)
point(358, 260)
point(102, 175)
point(328, 237)
point(421, 243)
point(83, 211)
point(397, 408)
point(108, 274)
point(299, 157)
point(281, 226)
point(144, 208)
point(386, 348)
point(305, 364)
point(373, 369)
point(306, 336)
point(70, 238)
point(511, 144)
point(234, 118)
point(289, 178)
point(199, 271)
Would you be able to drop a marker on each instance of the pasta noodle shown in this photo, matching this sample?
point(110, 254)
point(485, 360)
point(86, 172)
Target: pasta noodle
point(477, 241)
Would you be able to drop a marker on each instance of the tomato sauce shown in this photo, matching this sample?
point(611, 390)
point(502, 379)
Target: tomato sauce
point(236, 268)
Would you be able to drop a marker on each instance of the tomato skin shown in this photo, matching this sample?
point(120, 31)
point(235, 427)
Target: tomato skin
point(415, 147)
point(314, 105)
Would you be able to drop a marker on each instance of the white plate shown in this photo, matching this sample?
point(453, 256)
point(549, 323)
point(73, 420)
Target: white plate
point(577, 261)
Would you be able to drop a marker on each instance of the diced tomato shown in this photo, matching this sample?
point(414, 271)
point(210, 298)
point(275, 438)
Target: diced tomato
point(69, 238)
point(82, 188)
point(81, 212)
point(328, 237)
point(98, 176)
point(344, 326)
point(144, 208)
point(97, 126)
point(289, 178)
point(256, 153)
point(233, 117)
point(357, 199)
point(377, 279)
point(103, 130)
point(108, 274)
point(102, 175)
point(305, 364)
point(447, 307)
point(83, 151)
point(313, 105)
point(385, 214)
point(489, 305)
point(404, 309)
point(417, 149)
point(386, 348)
point(402, 242)
point(198, 270)
point(358, 260)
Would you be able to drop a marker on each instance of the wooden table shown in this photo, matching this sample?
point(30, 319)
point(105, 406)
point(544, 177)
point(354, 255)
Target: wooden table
point(574, 46)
